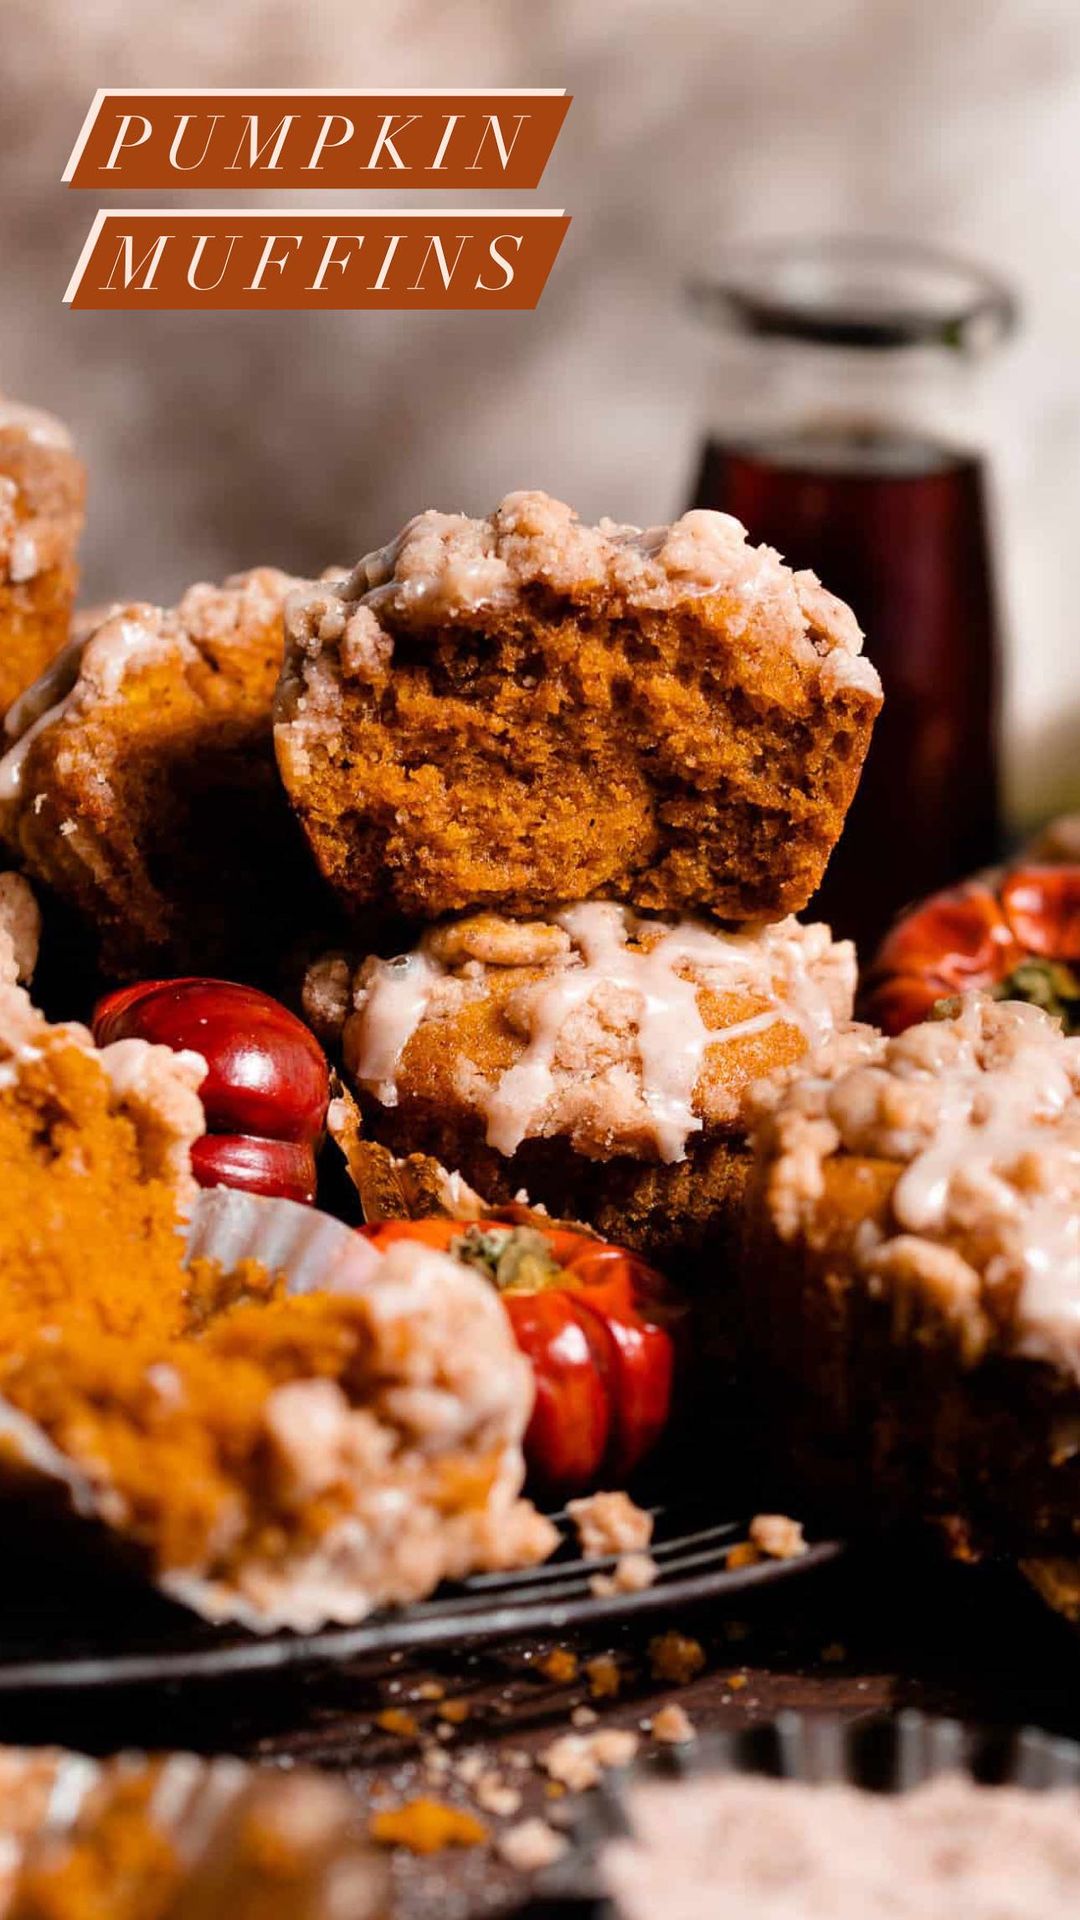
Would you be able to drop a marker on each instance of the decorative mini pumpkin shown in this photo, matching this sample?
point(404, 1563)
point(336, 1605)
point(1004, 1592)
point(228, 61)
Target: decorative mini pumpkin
point(267, 1085)
point(1013, 933)
point(590, 1317)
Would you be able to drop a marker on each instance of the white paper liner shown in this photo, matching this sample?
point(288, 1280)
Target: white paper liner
point(199, 1806)
point(312, 1250)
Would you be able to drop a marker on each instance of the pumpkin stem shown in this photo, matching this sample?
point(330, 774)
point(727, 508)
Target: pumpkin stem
point(512, 1258)
point(1048, 984)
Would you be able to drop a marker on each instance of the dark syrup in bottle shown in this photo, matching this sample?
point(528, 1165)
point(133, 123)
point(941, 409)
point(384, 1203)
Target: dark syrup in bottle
point(897, 526)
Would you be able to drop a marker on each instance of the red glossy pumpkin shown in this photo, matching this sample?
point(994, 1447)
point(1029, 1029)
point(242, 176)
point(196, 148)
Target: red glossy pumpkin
point(267, 1084)
point(595, 1322)
point(1015, 934)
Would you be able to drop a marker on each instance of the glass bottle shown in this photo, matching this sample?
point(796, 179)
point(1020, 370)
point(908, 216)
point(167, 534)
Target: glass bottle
point(849, 438)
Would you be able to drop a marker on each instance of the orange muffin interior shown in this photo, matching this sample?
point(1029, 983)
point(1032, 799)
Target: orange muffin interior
point(223, 1426)
point(524, 710)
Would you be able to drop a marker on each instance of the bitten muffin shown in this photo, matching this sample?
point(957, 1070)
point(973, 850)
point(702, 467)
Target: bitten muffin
point(913, 1275)
point(522, 710)
point(598, 1058)
point(139, 784)
point(277, 1456)
point(42, 489)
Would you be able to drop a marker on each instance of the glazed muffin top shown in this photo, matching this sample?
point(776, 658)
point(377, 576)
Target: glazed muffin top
point(516, 711)
point(617, 1031)
point(975, 1122)
point(111, 645)
point(446, 567)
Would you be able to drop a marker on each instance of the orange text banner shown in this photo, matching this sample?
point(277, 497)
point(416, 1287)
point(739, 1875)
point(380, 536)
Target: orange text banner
point(252, 262)
point(153, 139)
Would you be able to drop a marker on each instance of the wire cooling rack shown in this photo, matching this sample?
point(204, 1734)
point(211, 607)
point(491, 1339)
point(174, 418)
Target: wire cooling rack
point(59, 1641)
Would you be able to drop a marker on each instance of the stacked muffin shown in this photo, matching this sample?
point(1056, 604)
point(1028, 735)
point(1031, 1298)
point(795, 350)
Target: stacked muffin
point(597, 769)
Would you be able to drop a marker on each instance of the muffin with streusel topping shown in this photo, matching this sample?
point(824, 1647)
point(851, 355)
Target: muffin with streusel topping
point(139, 786)
point(277, 1453)
point(523, 710)
point(42, 488)
point(597, 1058)
point(913, 1275)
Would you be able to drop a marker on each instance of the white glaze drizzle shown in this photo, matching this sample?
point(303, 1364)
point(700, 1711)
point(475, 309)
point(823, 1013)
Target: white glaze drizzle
point(397, 998)
point(983, 1113)
point(54, 694)
point(658, 966)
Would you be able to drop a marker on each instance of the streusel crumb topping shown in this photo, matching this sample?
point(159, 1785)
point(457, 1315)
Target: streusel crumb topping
point(445, 567)
point(982, 1115)
point(99, 660)
point(611, 1014)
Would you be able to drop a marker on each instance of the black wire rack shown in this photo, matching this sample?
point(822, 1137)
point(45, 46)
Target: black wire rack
point(56, 1642)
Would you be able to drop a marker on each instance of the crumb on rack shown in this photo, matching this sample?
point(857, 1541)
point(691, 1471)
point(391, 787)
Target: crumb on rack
point(672, 1726)
point(426, 1826)
point(743, 1554)
point(633, 1573)
point(777, 1536)
point(676, 1658)
point(399, 1721)
point(576, 1760)
point(531, 1845)
point(560, 1665)
point(494, 1795)
point(610, 1523)
point(456, 1712)
point(603, 1677)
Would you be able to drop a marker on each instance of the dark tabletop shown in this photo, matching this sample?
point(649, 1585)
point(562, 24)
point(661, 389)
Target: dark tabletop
point(866, 1635)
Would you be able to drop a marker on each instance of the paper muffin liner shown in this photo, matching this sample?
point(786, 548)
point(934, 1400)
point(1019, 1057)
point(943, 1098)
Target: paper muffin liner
point(885, 1754)
point(203, 1809)
point(311, 1251)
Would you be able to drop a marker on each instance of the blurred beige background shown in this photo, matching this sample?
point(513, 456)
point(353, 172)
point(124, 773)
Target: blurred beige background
point(219, 441)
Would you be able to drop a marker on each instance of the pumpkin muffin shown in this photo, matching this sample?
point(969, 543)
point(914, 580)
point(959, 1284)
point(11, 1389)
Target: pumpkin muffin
point(173, 1837)
point(42, 487)
point(913, 1275)
point(522, 710)
point(271, 1458)
point(95, 1147)
point(598, 1058)
point(139, 784)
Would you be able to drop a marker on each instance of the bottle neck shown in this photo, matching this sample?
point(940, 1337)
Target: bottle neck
point(880, 406)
